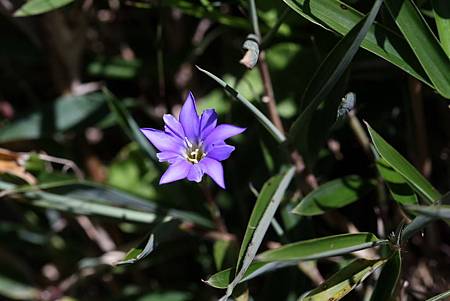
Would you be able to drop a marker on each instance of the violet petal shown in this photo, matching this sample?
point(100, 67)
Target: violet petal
point(214, 169)
point(220, 133)
point(208, 122)
point(173, 126)
point(189, 118)
point(220, 152)
point(176, 171)
point(195, 173)
point(163, 141)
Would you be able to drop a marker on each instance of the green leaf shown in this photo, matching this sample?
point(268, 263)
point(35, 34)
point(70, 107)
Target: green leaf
point(403, 167)
point(423, 42)
point(441, 9)
point(422, 221)
point(163, 232)
point(223, 278)
point(325, 79)
point(399, 188)
point(388, 280)
point(442, 296)
point(322, 247)
point(270, 127)
point(35, 7)
point(98, 200)
point(433, 211)
point(17, 291)
point(344, 281)
point(266, 205)
point(379, 40)
point(128, 124)
point(115, 68)
point(332, 195)
point(64, 114)
point(290, 254)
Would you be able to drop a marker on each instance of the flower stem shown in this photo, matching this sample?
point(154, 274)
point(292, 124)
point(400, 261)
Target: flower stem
point(214, 210)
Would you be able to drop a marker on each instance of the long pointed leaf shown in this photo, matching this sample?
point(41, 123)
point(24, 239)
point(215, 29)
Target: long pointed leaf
point(344, 281)
point(433, 58)
point(326, 78)
point(379, 40)
point(402, 166)
point(290, 254)
point(271, 128)
point(388, 280)
point(266, 205)
point(332, 195)
point(128, 124)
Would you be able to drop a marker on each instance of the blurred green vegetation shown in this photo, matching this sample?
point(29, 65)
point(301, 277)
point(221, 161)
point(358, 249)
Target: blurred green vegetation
point(79, 184)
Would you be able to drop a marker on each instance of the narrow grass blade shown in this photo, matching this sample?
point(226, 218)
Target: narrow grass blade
point(271, 128)
point(128, 124)
point(439, 297)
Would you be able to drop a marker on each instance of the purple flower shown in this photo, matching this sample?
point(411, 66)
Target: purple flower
point(193, 145)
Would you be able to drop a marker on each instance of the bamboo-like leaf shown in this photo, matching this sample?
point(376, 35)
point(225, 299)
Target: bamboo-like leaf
point(439, 297)
point(388, 280)
point(322, 247)
point(17, 291)
point(433, 211)
point(35, 7)
point(380, 40)
point(332, 195)
point(344, 281)
point(94, 199)
point(290, 254)
point(128, 124)
point(420, 221)
point(399, 188)
point(64, 114)
point(162, 232)
point(325, 79)
point(266, 205)
point(271, 128)
point(403, 167)
point(418, 34)
point(441, 9)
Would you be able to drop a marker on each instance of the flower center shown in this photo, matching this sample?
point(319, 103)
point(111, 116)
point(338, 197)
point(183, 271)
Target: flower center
point(194, 154)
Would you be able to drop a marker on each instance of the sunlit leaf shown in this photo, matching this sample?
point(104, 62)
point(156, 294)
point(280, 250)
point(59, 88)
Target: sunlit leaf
point(35, 7)
point(400, 190)
point(423, 42)
point(344, 281)
point(290, 254)
point(15, 290)
point(266, 205)
point(380, 40)
point(334, 194)
point(403, 167)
